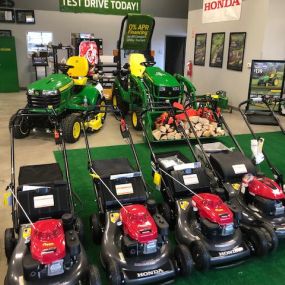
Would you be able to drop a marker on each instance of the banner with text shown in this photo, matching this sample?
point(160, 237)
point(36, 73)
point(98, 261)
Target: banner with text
point(221, 10)
point(111, 7)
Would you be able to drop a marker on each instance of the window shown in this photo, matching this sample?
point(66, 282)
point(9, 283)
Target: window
point(38, 41)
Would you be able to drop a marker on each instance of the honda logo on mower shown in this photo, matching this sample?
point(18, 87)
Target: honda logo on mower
point(149, 273)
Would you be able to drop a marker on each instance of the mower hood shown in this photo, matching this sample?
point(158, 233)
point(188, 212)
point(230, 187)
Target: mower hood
point(161, 78)
point(52, 82)
point(212, 208)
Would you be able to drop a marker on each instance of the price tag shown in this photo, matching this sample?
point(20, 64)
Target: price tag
point(190, 179)
point(124, 189)
point(239, 169)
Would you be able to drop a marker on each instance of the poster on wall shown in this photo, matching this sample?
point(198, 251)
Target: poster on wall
point(217, 50)
point(221, 10)
point(109, 7)
point(236, 51)
point(200, 49)
point(266, 79)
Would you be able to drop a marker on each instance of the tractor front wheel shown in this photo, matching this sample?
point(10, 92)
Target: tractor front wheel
point(71, 128)
point(20, 125)
point(136, 121)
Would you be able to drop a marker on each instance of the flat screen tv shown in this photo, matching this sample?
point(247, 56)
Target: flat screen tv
point(266, 78)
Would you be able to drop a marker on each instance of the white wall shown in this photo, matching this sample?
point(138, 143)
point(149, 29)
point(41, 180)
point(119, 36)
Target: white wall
point(209, 79)
point(105, 27)
point(274, 39)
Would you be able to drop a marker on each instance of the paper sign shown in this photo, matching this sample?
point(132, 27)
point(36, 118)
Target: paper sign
point(190, 179)
point(239, 169)
point(124, 189)
point(43, 201)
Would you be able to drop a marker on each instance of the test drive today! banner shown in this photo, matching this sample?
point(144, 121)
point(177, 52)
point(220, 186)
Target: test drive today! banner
point(111, 7)
point(221, 10)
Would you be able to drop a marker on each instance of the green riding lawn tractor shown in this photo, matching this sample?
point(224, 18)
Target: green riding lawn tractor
point(139, 84)
point(66, 95)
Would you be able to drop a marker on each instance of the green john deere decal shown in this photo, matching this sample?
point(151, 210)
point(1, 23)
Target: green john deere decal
point(113, 7)
point(138, 32)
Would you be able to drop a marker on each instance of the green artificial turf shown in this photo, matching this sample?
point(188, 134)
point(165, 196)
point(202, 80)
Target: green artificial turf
point(268, 270)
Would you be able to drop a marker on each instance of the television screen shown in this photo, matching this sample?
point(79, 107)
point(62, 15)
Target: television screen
point(266, 78)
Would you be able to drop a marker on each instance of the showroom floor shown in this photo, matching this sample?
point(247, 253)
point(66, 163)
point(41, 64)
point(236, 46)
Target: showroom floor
point(38, 148)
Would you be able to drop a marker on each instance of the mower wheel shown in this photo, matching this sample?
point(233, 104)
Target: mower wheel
point(259, 242)
point(136, 121)
point(183, 259)
point(96, 228)
point(71, 127)
point(20, 125)
point(118, 102)
point(113, 272)
point(271, 237)
point(94, 276)
point(79, 227)
point(166, 213)
point(200, 255)
point(9, 242)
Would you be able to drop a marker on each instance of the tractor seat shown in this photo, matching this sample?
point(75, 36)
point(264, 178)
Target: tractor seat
point(135, 60)
point(79, 71)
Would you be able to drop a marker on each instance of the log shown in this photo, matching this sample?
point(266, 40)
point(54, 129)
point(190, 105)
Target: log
point(156, 134)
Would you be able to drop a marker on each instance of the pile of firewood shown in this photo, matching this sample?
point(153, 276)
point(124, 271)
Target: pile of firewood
point(202, 126)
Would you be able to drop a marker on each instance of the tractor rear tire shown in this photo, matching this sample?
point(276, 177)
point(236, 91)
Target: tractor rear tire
point(9, 242)
point(136, 121)
point(94, 276)
point(71, 128)
point(200, 255)
point(118, 102)
point(96, 229)
point(184, 260)
point(20, 125)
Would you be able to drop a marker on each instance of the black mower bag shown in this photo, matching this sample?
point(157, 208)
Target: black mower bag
point(232, 166)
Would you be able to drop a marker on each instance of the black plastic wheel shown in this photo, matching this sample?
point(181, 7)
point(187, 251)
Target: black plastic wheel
point(118, 102)
point(136, 120)
point(183, 260)
point(271, 237)
point(96, 229)
point(200, 255)
point(71, 128)
point(79, 227)
point(94, 276)
point(20, 125)
point(9, 242)
point(113, 272)
point(258, 241)
point(166, 213)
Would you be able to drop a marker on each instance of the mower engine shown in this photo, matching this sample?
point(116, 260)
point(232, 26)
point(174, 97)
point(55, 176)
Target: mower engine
point(143, 234)
point(214, 216)
point(264, 195)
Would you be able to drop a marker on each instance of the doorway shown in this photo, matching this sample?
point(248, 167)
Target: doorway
point(175, 54)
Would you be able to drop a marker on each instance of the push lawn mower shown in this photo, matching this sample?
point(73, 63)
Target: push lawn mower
point(132, 234)
point(139, 83)
point(230, 168)
point(202, 221)
point(44, 245)
point(69, 95)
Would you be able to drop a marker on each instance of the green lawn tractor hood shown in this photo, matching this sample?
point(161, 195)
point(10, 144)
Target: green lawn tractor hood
point(50, 85)
point(161, 78)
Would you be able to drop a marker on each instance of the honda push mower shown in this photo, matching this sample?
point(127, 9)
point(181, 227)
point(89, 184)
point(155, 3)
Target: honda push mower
point(44, 245)
point(68, 95)
point(132, 234)
point(202, 221)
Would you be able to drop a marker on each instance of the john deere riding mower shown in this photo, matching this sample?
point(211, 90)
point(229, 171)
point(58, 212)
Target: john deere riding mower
point(69, 96)
point(139, 84)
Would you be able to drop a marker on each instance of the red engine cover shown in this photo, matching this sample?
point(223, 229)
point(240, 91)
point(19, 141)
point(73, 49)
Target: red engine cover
point(48, 241)
point(266, 188)
point(212, 208)
point(138, 223)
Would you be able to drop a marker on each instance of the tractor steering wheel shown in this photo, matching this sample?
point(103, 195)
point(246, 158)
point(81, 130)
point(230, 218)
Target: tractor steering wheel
point(148, 63)
point(63, 67)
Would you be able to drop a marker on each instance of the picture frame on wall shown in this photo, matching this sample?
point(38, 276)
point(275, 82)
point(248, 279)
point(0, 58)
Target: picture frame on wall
point(236, 51)
point(7, 16)
point(217, 50)
point(200, 49)
point(25, 17)
point(5, 33)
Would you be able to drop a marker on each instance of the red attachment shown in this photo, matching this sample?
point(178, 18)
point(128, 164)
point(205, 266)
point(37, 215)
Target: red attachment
point(123, 125)
point(266, 188)
point(48, 241)
point(138, 223)
point(56, 134)
point(212, 208)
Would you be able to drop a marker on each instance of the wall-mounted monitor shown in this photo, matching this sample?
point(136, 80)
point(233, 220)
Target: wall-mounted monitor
point(266, 79)
point(7, 16)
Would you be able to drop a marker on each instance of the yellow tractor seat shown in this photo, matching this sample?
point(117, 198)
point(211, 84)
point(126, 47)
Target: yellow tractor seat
point(79, 70)
point(135, 60)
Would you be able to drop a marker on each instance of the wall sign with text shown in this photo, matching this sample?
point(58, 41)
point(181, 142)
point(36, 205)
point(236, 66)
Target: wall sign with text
point(113, 7)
